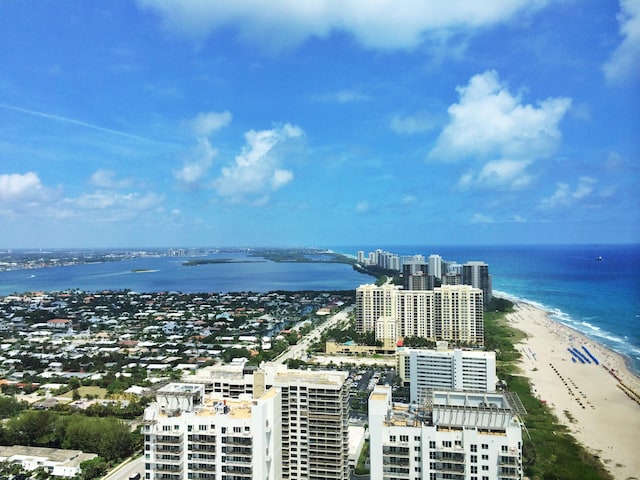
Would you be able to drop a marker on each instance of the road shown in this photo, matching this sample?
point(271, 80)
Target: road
point(299, 350)
point(125, 470)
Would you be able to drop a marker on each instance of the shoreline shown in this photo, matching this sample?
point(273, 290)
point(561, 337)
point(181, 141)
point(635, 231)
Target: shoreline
point(553, 315)
point(596, 401)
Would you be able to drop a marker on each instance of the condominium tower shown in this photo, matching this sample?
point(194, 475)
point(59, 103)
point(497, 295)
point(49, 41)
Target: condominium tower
point(452, 312)
point(453, 435)
point(293, 425)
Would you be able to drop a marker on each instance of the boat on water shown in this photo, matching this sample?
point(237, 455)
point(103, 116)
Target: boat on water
point(599, 258)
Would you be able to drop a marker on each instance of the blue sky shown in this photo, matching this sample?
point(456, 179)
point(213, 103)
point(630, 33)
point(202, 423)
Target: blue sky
point(193, 122)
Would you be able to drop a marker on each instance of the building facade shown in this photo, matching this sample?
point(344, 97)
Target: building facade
point(426, 370)
point(454, 435)
point(452, 312)
point(477, 275)
point(294, 425)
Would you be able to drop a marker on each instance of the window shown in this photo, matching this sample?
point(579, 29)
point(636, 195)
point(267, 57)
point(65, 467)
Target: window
point(485, 467)
point(474, 448)
point(404, 438)
point(505, 448)
point(392, 438)
point(474, 469)
point(485, 446)
point(446, 444)
point(202, 428)
point(485, 457)
point(474, 459)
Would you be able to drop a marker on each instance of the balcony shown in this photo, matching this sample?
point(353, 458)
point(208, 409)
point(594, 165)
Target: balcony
point(170, 439)
point(207, 448)
point(448, 467)
point(202, 438)
point(509, 472)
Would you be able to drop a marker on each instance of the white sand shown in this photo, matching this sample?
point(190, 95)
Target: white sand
point(603, 418)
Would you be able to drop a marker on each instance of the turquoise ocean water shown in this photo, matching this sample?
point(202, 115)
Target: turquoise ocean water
point(600, 298)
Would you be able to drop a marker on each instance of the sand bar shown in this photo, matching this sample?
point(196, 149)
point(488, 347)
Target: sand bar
point(600, 414)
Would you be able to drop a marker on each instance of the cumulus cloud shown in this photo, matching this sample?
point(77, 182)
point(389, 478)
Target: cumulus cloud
point(490, 124)
point(624, 63)
point(564, 196)
point(196, 168)
point(500, 174)
point(24, 196)
point(258, 170)
point(410, 124)
point(204, 124)
point(16, 186)
point(382, 24)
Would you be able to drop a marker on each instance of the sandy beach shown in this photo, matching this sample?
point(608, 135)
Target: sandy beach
point(586, 397)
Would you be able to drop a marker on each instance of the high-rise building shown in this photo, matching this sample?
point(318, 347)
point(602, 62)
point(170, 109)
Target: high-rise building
point(477, 275)
point(415, 276)
point(435, 266)
point(451, 312)
point(373, 302)
point(424, 370)
point(453, 435)
point(293, 425)
point(315, 425)
point(188, 435)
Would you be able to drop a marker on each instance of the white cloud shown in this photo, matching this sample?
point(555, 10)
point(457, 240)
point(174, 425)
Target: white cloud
point(489, 124)
point(480, 218)
point(123, 202)
point(624, 63)
point(362, 207)
point(564, 196)
point(417, 123)
point(196, 168)
point(409, 199)
point(207, 123)
point(488, 120)
point(16, 186)
point(501, 174)
point(382, 24)
point(257, 170)
point(104, 178)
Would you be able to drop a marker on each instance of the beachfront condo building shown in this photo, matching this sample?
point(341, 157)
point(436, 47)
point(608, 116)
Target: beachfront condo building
point(426, 370)
point(453, 313)
point(292, 425)
point(452, 435)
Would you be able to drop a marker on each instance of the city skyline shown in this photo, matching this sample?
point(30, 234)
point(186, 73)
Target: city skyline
point(155, 123)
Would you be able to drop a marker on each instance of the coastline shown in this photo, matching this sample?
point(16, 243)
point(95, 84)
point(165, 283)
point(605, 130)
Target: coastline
point(588, 398)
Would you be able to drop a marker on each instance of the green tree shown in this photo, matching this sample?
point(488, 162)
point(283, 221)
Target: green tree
point(94, 468)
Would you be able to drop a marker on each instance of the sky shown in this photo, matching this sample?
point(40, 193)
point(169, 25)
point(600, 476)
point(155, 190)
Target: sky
point(164, 123)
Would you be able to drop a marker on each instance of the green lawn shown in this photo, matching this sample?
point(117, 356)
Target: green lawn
point(97, 392)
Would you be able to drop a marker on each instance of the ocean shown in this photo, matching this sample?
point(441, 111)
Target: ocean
point(600, 298)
